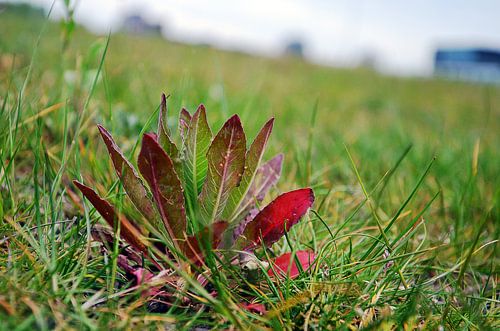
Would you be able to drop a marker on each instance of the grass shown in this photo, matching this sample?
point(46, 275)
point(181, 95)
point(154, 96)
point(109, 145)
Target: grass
point(405, 173)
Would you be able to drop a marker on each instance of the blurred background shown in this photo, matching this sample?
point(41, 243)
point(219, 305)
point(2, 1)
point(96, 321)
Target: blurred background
point(401, 38)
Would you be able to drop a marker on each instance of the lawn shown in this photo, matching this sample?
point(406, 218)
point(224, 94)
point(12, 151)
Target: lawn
point(405, 224)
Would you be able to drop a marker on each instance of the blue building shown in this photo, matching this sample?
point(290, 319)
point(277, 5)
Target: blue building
point(135, 24)
point(468, 64)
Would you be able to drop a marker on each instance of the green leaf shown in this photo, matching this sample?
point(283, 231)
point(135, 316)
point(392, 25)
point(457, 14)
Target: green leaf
point(226, 162)
point(158, 170)
point(184, 120)
point(234, 206)
point(196, 144)
point(164, 137)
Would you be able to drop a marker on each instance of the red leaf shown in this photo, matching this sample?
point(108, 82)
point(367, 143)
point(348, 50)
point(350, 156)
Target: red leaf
point(235, 206)
point(129, 177)
point(158, 170)
point(128, 232)
point(142, 275)
point(277, 217)
point(285, 265)
point(191, 246)
point(258, 308)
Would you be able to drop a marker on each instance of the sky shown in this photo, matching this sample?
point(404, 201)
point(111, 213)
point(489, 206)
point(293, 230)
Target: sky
point(399, 36)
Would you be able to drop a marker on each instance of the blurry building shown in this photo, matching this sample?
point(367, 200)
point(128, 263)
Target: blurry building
point(368, 60)
point(468, 64)
point(137, 25)
point(295, 48)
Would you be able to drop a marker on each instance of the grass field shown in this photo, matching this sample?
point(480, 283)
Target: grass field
point(405, 172)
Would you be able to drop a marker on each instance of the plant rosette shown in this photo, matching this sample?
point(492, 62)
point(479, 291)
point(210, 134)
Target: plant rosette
point(201, 202)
